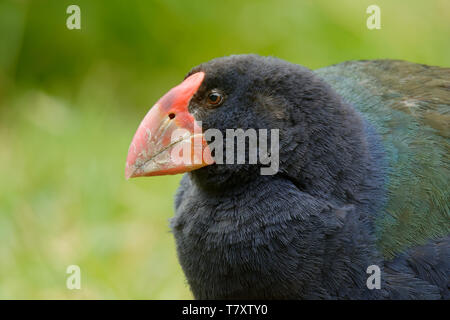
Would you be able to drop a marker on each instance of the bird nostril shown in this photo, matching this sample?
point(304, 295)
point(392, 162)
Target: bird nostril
point(171, 115)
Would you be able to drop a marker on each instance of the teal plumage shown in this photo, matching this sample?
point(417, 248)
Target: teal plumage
point(409, 106)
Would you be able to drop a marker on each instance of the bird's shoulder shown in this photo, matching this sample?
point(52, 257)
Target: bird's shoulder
point(409, 106)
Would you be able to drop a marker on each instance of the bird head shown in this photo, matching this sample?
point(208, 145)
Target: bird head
point(229, 93)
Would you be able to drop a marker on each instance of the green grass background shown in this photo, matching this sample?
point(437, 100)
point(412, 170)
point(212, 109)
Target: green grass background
point(70, 101)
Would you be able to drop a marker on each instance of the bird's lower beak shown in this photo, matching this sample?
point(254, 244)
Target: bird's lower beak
point(169, 140)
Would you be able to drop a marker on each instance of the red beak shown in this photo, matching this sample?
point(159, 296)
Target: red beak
point(169, 140)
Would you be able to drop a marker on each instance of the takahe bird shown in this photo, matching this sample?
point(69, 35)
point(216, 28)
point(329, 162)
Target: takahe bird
point(362, 179)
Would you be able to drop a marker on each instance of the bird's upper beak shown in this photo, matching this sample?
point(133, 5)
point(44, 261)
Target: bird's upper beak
point(169, 140)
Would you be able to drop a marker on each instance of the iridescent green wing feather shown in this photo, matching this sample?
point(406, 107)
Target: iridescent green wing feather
point(409, 105)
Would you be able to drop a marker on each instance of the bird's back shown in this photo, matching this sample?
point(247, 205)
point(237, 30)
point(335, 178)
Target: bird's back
point(409, 106)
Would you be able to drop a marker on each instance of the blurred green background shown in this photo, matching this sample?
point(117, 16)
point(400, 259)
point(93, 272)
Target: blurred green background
point(70, 101)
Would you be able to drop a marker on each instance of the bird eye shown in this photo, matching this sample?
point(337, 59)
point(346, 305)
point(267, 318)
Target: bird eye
point(215, 98)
